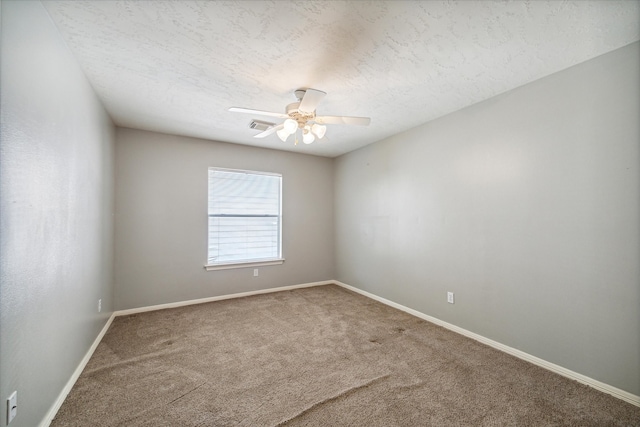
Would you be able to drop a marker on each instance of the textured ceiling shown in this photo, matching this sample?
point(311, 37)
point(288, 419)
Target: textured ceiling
point(177, 66)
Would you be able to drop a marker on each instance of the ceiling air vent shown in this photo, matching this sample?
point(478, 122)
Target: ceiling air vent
point(260, 125)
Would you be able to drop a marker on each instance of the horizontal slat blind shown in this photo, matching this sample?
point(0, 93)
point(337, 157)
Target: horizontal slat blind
point(244, 216)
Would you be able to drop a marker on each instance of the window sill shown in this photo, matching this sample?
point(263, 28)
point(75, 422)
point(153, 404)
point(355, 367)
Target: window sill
point(211, 267)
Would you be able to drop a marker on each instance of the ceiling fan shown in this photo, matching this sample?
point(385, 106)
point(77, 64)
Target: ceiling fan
point(302, 115)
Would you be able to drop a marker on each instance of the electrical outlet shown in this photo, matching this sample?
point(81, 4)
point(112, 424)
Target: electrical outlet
point(12, 406)
point(99, 305)
point(450, 297)
point(255, 272)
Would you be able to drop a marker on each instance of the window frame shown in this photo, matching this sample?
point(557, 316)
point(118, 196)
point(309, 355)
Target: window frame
point(249, 263)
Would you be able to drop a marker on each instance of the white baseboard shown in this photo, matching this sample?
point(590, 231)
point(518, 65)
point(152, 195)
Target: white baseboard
point(218, 298)
point(598, 385)
point(74, 377)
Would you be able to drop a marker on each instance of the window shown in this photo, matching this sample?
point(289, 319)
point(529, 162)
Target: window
point(245, 220)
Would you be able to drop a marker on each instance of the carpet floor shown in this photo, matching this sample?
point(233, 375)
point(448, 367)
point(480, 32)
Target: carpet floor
point(321, 356)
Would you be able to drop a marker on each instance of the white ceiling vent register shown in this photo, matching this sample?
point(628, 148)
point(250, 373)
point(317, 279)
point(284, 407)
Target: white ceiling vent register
point(260, 125)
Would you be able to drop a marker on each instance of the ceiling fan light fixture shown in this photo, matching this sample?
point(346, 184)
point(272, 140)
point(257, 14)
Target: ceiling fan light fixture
point(301, 115)
point(290, 126)
point(319, 130)
point(283, 134)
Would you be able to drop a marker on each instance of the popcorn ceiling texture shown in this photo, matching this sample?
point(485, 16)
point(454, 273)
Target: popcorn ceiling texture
point(176, 67)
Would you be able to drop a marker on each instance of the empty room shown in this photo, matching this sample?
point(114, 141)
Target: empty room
point(319, 213)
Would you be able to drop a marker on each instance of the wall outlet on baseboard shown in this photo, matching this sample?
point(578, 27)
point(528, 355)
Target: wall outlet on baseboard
point(255, 272)
point(450, 297)
point(99, 305)
point(12, 406)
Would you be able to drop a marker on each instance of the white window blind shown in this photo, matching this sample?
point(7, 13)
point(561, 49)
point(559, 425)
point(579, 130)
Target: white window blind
point(244, 217)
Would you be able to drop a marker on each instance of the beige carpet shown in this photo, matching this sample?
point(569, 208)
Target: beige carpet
point(319, 356)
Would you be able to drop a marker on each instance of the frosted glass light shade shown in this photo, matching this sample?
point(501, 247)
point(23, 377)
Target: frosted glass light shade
point(283, 134)
point(290, 126)
point(319, 130)
point(307, 136)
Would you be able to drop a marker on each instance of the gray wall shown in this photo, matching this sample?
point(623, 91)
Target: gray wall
point(161, 218)
point(56, 204)
point(525, 205)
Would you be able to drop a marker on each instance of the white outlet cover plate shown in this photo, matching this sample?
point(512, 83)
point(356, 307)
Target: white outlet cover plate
point(12, 406)
point(450, 297)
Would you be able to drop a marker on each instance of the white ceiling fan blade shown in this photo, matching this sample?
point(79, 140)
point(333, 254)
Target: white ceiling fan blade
point(342, 120)
point(269, 131)
point(258, 112)
point(310, 100)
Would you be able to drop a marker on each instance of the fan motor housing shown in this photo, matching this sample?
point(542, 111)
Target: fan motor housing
point(300, 117)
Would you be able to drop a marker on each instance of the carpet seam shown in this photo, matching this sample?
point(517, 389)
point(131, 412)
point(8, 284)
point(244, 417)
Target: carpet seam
point(190, 391)
point(331, 398)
